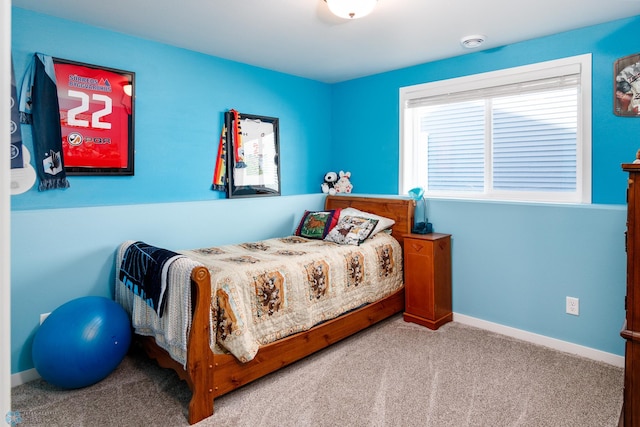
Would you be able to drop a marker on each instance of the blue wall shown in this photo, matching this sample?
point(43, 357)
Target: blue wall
point(62, 254)
point(180, 100)
point(372, 105)
point(513, 264)
point(63, 241)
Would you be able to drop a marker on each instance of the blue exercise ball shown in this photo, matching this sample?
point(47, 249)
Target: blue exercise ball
point(81, 342)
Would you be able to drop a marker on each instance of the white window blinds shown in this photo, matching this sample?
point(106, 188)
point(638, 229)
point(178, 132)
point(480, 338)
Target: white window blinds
point(515, 136)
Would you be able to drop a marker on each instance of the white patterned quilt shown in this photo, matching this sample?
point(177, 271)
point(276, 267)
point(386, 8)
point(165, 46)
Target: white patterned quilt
point(267, 290)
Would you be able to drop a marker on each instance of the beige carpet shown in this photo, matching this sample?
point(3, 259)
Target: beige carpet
point(393, 374)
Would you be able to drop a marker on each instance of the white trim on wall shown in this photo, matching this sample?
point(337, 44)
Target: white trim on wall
point(564, 346)
point(556, 344)
point(24, 377)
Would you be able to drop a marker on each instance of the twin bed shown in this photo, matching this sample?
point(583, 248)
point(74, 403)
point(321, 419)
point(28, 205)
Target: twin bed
point(201, 330)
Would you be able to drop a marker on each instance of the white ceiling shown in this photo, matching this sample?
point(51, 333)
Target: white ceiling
point(302, 38)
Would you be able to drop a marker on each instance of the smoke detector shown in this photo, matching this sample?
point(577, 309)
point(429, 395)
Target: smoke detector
point(472, 42)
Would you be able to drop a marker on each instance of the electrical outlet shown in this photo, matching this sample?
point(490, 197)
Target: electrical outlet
point(43, 316)
point(573, 306)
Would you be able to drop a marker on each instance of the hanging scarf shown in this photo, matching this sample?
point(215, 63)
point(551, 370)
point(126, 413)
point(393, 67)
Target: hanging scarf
point(237, 141)
point(39, 108)
point(220, 173)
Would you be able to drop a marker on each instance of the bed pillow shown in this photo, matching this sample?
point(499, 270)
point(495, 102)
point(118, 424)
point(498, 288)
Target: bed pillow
point(351, 230)
point(383, 222)
point(317, 224)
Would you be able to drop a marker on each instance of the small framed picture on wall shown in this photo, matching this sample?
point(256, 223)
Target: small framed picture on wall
point(96, 118)
point(626, 100)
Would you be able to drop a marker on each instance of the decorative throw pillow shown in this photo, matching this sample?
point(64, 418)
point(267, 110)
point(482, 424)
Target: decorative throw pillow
point(384, 223)
point(317, 224)
point(351, 230)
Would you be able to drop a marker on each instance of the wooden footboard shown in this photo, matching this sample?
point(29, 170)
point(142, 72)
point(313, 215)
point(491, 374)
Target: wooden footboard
point(199, 374)
point(211, 375)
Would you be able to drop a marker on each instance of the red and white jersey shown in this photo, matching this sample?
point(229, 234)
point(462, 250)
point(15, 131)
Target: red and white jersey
point(94, 116)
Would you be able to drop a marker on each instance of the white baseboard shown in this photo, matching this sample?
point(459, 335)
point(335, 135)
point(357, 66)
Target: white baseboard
point(556, 344)
point(565, 346)
point(24, 377)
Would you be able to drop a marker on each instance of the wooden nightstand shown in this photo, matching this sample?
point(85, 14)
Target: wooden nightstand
point(427, 279)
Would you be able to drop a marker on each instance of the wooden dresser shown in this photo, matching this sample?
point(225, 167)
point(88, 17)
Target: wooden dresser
point(427, 279)
point(631, 329)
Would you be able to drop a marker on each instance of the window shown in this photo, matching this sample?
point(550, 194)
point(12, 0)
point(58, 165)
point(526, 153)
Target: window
point(517, 134)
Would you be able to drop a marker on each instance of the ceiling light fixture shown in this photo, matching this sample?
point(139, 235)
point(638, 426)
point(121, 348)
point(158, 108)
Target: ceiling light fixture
point(472, 42)
point(351, 9)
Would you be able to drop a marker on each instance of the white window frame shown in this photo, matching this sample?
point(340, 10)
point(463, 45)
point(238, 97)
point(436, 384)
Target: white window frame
point(408, 160)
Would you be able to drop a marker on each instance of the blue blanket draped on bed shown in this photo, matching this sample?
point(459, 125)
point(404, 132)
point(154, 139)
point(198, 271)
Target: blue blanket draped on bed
point(144, 270)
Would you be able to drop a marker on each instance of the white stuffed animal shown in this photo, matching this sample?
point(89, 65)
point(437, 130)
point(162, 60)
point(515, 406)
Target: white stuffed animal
point(330, 179)
point(343, 185)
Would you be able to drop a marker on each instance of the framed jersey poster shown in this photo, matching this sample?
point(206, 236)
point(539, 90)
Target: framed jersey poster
point(96, 118)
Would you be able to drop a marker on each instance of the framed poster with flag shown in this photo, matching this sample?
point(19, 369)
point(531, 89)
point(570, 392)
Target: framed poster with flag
point(96, 118)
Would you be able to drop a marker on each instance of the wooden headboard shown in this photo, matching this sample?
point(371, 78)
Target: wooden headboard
point(398, 209)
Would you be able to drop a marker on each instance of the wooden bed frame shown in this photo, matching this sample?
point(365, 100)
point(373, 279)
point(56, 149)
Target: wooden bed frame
point(211, 375)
